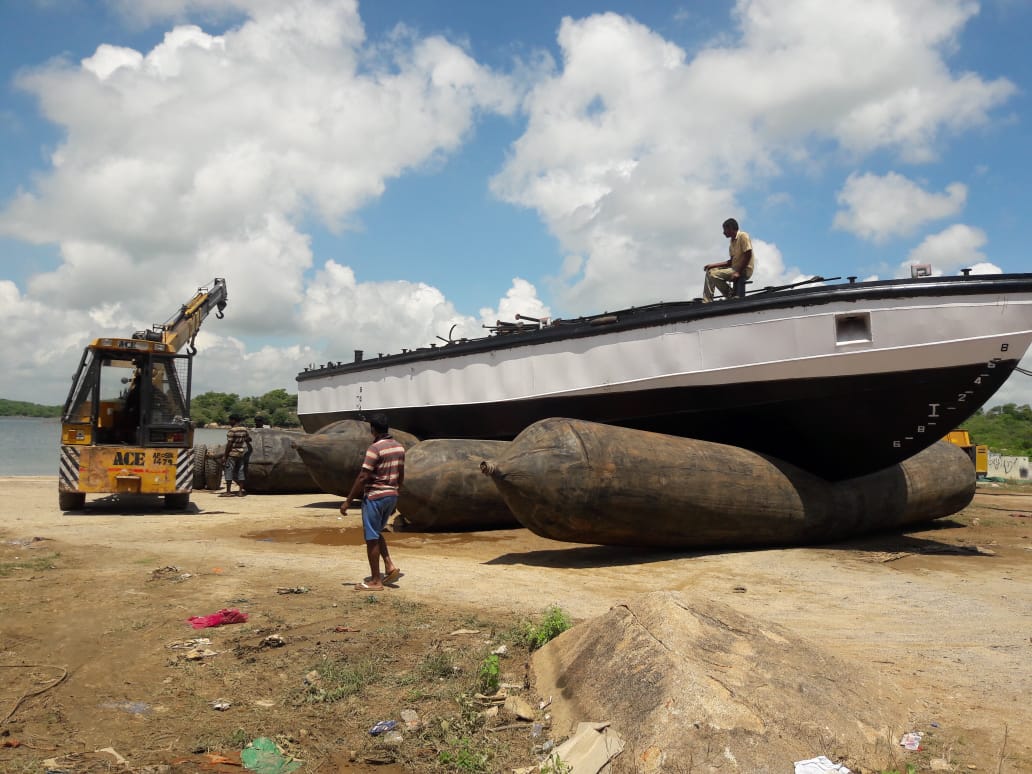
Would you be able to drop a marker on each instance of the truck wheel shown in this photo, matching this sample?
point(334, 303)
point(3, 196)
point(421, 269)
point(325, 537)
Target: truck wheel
point(213, 474)
point(177, 501)
point(71, 501)
point(199, 452)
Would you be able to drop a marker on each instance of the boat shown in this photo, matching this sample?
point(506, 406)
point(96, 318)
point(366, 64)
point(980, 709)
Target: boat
point(839, 379)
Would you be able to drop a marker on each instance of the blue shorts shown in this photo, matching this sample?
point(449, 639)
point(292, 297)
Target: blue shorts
point(375, 514)
point(236, 468)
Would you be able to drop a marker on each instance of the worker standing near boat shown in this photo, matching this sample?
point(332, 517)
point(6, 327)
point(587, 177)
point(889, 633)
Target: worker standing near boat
point(236, 456)
point(722, 275)
point(379, 481)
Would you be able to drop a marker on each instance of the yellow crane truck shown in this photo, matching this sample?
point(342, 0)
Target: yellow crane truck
point(125, 426)
point(979, 453)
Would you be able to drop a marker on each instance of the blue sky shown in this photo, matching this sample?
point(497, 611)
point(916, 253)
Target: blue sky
point(366, 175)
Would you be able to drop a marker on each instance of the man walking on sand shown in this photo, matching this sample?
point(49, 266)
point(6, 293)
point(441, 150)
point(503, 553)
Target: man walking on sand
point(382, 474)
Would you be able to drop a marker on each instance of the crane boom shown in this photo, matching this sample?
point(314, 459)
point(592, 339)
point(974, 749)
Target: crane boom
point(181, 329)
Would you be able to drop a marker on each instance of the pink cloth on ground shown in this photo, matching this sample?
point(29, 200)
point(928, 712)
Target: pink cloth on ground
point(224, 616)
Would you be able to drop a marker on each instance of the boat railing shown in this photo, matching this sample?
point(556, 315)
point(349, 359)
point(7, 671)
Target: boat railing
point(776, 288)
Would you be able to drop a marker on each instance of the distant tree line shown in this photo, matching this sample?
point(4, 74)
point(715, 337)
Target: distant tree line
point(1005, 429)
point(21, 408)
point(278, 408)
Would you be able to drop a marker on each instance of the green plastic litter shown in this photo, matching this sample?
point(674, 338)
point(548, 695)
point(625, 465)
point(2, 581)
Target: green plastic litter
point(263, 756)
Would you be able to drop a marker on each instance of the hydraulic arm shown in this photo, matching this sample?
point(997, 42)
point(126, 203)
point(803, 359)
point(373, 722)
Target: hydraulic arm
point(183, 326)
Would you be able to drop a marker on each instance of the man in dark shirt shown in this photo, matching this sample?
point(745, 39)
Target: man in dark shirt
point(237, 453)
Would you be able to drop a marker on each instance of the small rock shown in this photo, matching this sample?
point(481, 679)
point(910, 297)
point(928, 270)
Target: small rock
point(411, 719)
point(519, 708)
point(198, 653)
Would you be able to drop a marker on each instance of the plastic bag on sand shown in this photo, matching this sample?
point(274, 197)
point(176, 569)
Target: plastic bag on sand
point(264, 756)
point(819, 765)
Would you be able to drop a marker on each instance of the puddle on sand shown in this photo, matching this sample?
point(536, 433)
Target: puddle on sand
point(352, 536)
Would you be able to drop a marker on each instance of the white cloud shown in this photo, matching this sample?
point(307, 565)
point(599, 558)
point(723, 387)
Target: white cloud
point(146, 12)
point(40, 346)
point(635, 152)
point(345, 314)
point(954, 248)
point(204, 156)
point(879, 207)
point(205, 133)
point(520, 299)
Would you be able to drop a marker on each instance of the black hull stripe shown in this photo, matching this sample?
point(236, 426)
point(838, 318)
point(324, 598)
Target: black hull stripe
point(835, 427)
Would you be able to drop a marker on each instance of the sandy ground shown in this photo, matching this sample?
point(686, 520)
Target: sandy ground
point(945, 613)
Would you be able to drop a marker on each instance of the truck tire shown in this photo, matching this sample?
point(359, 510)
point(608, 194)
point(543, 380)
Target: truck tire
point(200, 452)
point(213, 474)
point(177, 501)
point(71, 501)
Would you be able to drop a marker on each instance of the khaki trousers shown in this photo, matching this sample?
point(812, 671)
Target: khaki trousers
point(719, 279)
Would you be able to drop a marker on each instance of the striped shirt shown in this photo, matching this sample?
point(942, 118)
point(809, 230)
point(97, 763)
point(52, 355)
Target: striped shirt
point(237, 439)
point(385, 459)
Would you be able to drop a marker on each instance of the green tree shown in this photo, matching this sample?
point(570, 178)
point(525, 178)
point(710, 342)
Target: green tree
point(1005, 429)
point(284, 417)
point(273, 401)
point(277, 406)
point(21, 408)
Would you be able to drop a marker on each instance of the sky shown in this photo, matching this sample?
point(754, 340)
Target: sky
point(374, 175)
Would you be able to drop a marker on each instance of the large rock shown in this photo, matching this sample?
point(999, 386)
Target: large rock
point(583, 482)
point(444, 490)
point(692, 685)
point(334, 455)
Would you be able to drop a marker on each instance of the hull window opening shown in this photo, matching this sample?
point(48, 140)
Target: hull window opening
point(852, 328)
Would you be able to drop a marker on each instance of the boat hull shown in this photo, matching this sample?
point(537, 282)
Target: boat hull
point(837, 427)
point(839, 382)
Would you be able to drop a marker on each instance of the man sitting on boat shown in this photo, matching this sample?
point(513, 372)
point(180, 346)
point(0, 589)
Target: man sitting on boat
point(725, 275)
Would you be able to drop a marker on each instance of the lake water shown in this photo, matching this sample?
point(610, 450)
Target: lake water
point(29, 446)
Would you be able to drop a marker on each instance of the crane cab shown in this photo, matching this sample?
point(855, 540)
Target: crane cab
point(125, 427)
